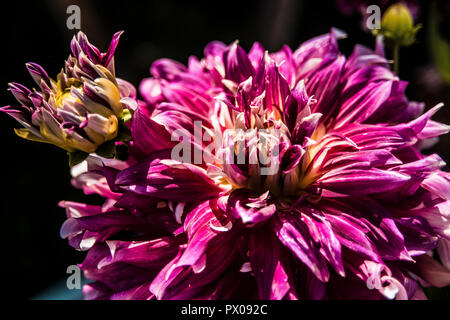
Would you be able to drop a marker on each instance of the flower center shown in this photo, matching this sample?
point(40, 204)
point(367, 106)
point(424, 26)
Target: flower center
point(63, 94)
point(263, 159)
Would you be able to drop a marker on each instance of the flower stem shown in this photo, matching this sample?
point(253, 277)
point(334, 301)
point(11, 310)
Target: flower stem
point(396, 58)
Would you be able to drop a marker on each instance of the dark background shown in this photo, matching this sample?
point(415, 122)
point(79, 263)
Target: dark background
point(35, 177)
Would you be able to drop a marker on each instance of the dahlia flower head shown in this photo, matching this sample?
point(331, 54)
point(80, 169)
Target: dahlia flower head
point(255, 175)
point(82, 109)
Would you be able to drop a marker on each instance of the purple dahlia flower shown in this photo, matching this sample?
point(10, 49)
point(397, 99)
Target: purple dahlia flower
point(82, 109)
point(348, 208)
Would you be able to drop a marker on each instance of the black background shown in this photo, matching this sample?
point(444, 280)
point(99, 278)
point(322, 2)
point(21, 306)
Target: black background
point(35, 177)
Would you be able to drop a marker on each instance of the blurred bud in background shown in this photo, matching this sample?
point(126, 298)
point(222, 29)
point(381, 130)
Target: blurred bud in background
point(83, 109)
point(397, 26)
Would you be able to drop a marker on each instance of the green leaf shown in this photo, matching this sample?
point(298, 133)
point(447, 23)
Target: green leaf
point(124, 134)
point(126, 115)
point(107, 150)
point(76, 157)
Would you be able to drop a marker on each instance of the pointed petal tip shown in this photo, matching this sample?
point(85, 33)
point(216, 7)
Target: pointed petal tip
point(436, 108)
point(338, 33)
point(117, 35)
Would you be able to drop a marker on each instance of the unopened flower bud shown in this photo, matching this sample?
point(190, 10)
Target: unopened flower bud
point(397, 26)
point(83, 109)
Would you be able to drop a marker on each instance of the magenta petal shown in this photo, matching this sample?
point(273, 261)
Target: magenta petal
point(271, 270)
point(291, 158)
point(438, 183)
point(313, 288)
point(242, 205)
point(256, 55)
point(117, 276)
point(352, 234)
point(363, 104)
point(147, 254)
point(284, 59)
point(214, 52)
point(39, 74)
point(323, 85)
point(200, 235)
point(293, 233)
point(434, 129)
point(108, 55)
point(276, 87)
point(313, 53)
point(200, 280)
point(379, 225)
point(150, 90)
point(192, 98)
point(322, 233)
point(166, 69)
point(297, 100)
point(366, 159)
point(305, 127)
point(418, 234)
point(237, 64)
point(21, 93)
point(148, 135)
point(362, 182)
point(168, 179)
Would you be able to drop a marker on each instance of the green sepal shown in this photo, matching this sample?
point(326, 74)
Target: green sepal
point(76, 157)
point(124, 134)
point(107, 150)
point(126, 115)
